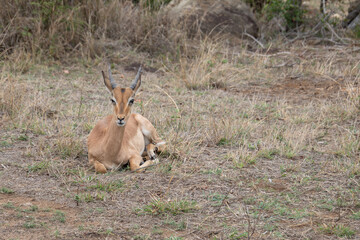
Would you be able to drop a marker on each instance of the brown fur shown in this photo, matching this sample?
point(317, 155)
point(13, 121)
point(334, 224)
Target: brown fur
point(110, 145)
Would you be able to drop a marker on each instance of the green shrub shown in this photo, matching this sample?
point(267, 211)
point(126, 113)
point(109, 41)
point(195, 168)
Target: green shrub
point(290, 10)
point(357, 31)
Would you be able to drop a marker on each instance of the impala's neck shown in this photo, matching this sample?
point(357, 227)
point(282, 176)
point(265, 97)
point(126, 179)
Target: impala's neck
point(114, 137)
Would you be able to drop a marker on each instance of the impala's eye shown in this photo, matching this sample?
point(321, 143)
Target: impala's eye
point(112, 101)
point(131, 102)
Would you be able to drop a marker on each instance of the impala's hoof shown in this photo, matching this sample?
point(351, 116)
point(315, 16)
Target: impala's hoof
point(99, 167)
point(140, 170)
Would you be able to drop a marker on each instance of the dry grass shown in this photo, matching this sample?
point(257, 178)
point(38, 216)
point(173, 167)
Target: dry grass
point(209, 68)
point(276, 147)
point(54, 29)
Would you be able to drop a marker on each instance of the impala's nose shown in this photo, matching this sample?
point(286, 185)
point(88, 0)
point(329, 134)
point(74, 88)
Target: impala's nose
point(120, 121)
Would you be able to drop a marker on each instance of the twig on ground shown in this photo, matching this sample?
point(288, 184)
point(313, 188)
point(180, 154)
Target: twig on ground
point(333, 32)
point(322, 26)
point(269, 55)
point(224, 199)
point(80, 104)
point(168, 188)
point(251, 226)
point(186, 234)
point(257, 41)
point(285, 64)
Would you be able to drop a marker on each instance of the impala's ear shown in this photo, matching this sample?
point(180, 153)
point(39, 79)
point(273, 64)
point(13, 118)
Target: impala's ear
point(107, 81)
point(137, 81)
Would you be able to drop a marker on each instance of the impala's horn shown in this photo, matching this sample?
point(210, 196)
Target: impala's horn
point(113, 84)
point(137, 78)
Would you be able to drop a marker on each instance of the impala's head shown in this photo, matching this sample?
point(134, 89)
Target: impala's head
point(122, 98)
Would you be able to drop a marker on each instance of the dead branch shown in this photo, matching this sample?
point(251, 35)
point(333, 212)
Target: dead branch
point(253, 38)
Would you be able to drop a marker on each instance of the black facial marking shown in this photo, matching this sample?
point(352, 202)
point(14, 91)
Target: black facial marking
point(123, 90)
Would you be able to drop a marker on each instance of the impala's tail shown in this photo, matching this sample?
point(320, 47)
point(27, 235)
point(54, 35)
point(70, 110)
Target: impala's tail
point(149, 131)
point(160, 144)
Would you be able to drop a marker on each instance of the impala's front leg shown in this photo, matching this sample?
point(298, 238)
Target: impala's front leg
point(99, 167)
point(135, 162)
point(151, 149)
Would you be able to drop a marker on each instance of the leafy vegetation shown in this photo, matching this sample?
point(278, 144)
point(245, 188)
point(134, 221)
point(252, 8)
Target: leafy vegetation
point(338, 230)
point(290, 10)
point(6, 190)
point(174, 207)
point(59, 216)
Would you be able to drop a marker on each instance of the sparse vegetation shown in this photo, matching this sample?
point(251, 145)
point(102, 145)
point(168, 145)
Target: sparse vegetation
point(108, 187)
point(174, 207)
point(34, 208)
point(174, 238)
point(68, 147)
point(217, 199)
point(39, 166)
point(179, 226)
point(30, 224)
point(59, 216)
point(338, 230)
point(356, 215)
point(87, 197)
point(8, 205)
point(6, 190)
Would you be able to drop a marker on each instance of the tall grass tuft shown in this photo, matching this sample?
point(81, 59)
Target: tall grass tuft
point(208, 68)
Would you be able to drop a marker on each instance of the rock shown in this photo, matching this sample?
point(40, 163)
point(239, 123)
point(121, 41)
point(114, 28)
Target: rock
point(231, 17)
point(355, 22)
point(353, 18)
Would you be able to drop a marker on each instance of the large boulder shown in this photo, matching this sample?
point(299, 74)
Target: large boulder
point(231, 17)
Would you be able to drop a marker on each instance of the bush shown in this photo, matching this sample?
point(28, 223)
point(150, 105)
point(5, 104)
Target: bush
point(50, 26)
point(290, 10)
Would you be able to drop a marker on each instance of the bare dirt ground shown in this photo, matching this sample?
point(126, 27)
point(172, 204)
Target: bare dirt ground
point(270, 153)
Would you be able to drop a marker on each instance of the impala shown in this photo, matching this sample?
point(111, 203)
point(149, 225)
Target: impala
point(122, 137)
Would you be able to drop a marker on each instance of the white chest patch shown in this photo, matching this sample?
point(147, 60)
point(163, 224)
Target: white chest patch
point(145, 132)
point(142, 151)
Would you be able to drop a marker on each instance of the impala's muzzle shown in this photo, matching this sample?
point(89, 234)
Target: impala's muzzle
point(120, 122)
